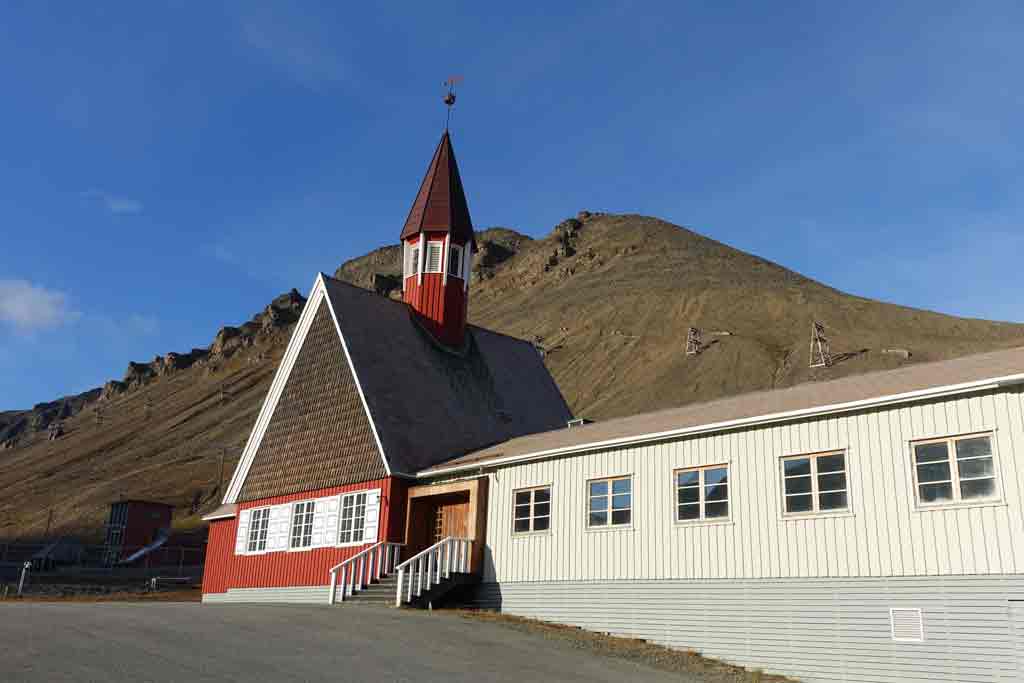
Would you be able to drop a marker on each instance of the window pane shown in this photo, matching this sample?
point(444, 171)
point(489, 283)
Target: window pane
point(719, 475)
point(973, 447)
point(522, 511)
point(598, 488)
point(931, 452)
point(542, 495)
point(713, 510)
point(689, 512)
point(542, 509)
point(797, 466)
point(541, 523)
point(689, 478)
point(523, 498)
point(798, 485)
point(600, 503)
point(831, 463)
point(717, 492)
point(689, 495)
point(522, 525)
point(620, 502)
point(598, 518)
point(621, 486)
point(935, 471)
point(832, 501)
point(798, 503)
point(832, 482)
point(982, 467)
point(977, 488)
point(620, 517)
point(931, 493)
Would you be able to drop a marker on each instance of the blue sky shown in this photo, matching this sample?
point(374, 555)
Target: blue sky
point(167, 168)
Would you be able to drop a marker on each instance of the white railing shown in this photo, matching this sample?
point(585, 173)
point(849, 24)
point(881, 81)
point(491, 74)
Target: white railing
point(433, 565)
point(363, 568)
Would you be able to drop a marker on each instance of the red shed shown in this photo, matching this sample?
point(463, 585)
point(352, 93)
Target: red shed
point(135, 524)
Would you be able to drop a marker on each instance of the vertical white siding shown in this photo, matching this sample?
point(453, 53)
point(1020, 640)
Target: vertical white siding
point(883, 535)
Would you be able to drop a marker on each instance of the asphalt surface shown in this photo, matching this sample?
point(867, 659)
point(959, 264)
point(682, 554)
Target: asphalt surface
point(193, 642)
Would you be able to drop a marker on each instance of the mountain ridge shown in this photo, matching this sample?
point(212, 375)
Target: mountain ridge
point(606, 298)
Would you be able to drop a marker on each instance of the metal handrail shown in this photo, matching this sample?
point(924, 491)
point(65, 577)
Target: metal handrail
point(439, 561)
point(379, 558)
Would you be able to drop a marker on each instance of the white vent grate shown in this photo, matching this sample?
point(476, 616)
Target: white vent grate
point(907, 625)
point(434, 253)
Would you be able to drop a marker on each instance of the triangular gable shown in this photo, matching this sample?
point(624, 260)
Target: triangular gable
point(314, 430)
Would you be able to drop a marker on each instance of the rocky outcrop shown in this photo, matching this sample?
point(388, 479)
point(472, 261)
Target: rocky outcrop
point(18, 427)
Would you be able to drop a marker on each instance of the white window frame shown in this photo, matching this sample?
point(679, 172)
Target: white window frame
point(608, 525)
point(354, 497)
point(954, 470)
point(702, 497)
point(308, 511)
point(255, 544)
point(412, 259)
point(531, 507)
point(454, 259)
point(816, 510)
point(431, 246)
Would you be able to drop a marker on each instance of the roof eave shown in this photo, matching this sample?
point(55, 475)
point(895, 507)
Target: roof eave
point(758, 420)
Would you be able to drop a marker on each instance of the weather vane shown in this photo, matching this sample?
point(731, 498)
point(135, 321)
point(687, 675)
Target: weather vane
point(449, 97)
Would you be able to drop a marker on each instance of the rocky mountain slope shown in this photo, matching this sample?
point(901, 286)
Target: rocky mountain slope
point(608, 299)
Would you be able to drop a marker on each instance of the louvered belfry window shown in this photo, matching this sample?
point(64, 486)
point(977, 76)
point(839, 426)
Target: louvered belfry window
point(435, 250)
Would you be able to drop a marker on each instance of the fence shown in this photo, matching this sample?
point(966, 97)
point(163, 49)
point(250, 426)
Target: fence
point(75, 558)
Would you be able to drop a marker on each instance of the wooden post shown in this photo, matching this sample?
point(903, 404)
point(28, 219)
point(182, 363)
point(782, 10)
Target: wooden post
point(334, 587)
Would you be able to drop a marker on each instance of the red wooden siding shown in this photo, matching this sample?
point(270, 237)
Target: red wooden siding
point(224, 569)
point(441, 308)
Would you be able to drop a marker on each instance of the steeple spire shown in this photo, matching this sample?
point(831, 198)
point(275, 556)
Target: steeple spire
point(438, 247)
point(440, 205)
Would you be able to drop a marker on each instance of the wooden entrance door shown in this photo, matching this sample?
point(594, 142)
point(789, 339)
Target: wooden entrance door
point(434, 518)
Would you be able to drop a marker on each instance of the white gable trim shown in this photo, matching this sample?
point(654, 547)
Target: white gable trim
point(359, 386)
point(316, 296)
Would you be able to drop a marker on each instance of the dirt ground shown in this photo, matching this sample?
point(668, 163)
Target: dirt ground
point(641, 651)
point(176, 595)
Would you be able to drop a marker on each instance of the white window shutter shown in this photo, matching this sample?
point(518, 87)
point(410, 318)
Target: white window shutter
point(372, 516)
point(242, 537)
point(277, 531)
point(332, 506)
point(325, 521)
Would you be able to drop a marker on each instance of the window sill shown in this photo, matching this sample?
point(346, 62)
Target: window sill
point(811, 516)
point(997, 503)
point(530, 534)
point(608, 529)
point(703, 522)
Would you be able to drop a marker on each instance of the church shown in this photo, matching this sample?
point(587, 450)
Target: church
point(867, 528)
point(370, 392)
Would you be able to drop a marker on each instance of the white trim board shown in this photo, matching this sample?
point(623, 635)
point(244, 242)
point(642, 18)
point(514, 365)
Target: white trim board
point(359, 385)
point(757, 420)
point(317, 295)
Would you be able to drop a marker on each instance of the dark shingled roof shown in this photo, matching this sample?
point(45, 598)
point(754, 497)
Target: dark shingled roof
point(809, 396)
point(318, 435)
point(430, 404)
point(440, 205)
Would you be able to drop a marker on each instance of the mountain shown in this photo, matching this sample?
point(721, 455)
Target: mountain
point(607, 299)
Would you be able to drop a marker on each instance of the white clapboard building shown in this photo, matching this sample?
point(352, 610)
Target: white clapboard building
point(864, 529)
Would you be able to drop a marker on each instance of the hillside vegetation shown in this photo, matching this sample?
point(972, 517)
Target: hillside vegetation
point(607, 298)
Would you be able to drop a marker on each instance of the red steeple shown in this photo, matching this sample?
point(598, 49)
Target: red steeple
point(440, 205)
point(437, 247)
